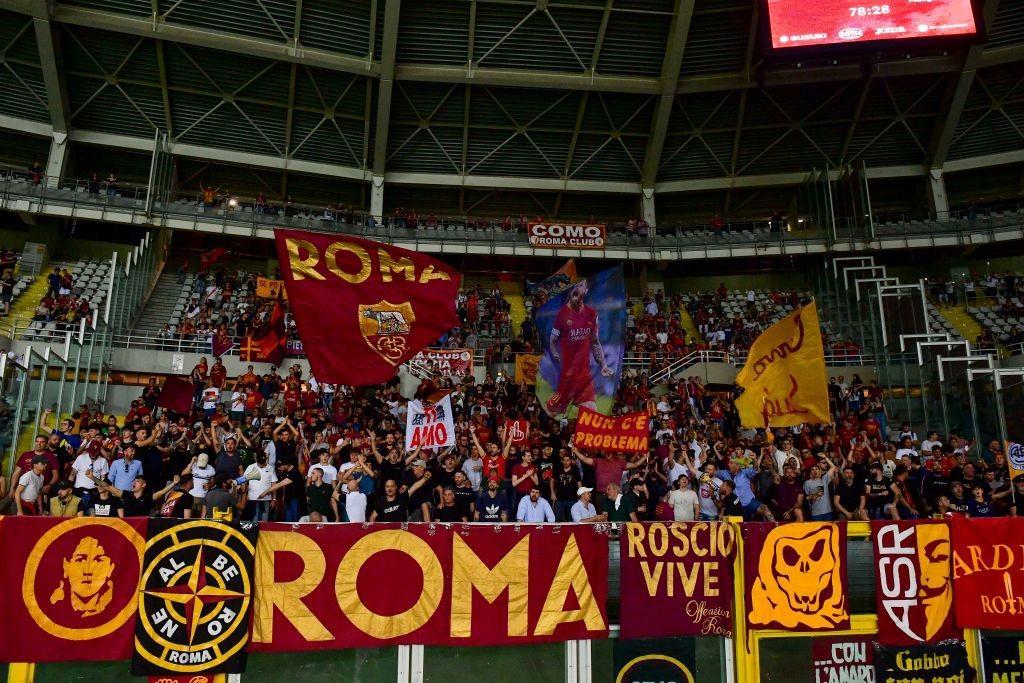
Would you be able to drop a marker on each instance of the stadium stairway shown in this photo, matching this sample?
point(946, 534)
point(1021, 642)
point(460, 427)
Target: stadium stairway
point(25, 306)
point(690, 327)
point(161, 302)
point(958, 316)
point(513, 293)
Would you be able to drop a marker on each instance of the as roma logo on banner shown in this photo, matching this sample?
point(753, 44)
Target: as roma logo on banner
point(195, 598)
point(70, 588)
point(795, 576)
point(913, 582)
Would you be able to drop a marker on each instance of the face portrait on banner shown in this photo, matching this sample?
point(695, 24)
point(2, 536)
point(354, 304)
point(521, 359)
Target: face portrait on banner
point(795, 576)
point(913, 581)
point(582, 331)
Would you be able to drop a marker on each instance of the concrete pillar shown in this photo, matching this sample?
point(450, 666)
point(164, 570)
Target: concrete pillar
point(57, 161)
point(647, 199)
point(377, 197)
point(937, 200)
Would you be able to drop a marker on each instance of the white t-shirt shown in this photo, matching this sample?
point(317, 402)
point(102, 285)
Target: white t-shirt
point(258, 489)
point(708, 491)
point(83, 463)
point(927, 446)
point(469, 469)
point(211, 397)
point(33, 484)
point(675, 472)
point(201, 475)
point(905, 451)
point(355, 506)
point(238, 401)
point(683, 501)
point(330, 472)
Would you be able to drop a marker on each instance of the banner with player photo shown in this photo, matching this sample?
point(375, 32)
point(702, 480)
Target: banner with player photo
point(70, 587)
point(795, 576)
point(676, 579)
point(913, 581)
point(195, 597)
point(583, 335)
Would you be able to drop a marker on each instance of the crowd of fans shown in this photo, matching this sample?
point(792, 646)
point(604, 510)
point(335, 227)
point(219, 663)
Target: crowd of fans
point(287, 447)
point(63, 302)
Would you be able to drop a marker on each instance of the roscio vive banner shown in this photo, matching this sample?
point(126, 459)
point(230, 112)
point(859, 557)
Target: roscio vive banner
point(195, 597)
point(676, 579)
point(363, 308)
point(913, 581)
point(348, 585)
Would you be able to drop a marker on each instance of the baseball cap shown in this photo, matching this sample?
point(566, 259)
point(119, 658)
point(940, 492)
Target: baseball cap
point(583, 489)
point(40, 459)
point(419, 463)
point(63, 484)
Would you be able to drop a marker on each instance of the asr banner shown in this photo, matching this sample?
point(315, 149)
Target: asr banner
point(583, 332)
point(622, 434)
point(70, 587)
point(913, 581)
point(195, 597)
point(944, 661)
point(795, 576)
point(677, 579)
point(363, 308)
point(784, 381)
point(988, 577)
point(320, 587)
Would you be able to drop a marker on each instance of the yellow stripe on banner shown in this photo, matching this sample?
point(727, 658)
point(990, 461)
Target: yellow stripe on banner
point(972, 638)
point(20, 673)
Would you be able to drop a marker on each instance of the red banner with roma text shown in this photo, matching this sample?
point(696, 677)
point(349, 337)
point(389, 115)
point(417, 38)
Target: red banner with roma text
point(913, 582)
point(363, 308)
point(347, 586)
point(795, 576)
point(677, 579)
point(988, 575)
point(70, 587)
point(622, 434)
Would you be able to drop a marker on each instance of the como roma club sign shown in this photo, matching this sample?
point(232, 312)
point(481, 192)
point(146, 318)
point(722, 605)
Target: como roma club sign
point(566, 236)
point(195, 598)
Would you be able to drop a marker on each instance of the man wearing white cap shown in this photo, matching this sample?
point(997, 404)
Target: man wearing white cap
point(584, 510)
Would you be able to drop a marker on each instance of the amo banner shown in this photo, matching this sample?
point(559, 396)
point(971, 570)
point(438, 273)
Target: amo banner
point(620, 434)
point(795, 576)
point(429, 425)
point(849, 659)
point(321, 587)
point(944, 661)
point(988, 577)
point(195, 597)
point(583, 333)
point(677, 579)
point(70, 587)
point(566, 236)
point(913, 581)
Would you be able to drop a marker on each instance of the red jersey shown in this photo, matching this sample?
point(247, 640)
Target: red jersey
point(576, 330)
point(494, 465)
point(526, 484)
point(25, 463)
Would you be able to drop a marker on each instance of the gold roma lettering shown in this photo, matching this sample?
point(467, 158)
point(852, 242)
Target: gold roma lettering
point(782, 350)
point(353, 263)
point(692, 555)
point(509, 575)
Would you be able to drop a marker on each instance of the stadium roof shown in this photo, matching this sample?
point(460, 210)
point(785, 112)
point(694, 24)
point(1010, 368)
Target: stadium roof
point(608, 95)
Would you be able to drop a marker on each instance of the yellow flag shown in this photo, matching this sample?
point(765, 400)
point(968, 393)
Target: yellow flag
point(269, 289)
point(784, 382)
point(1015, 455)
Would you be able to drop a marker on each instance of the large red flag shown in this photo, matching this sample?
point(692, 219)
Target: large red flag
point(176, 395)
point(363, 308)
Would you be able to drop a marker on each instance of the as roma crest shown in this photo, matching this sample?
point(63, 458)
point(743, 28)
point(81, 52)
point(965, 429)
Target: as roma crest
point(384, 326)
point(195, 598)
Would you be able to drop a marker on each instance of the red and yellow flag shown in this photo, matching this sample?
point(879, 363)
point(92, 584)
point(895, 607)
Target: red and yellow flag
point(363, 308)
point(784, 380)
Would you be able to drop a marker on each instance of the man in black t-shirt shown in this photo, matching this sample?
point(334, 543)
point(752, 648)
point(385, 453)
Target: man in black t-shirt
point(175, 499)
point(106, 505)
point(849, 499)
point(465, 496)
point(137, 502)
point(291, 480)
point(420, 495)
point(877, 493)
point(393, 507)
point(728, 501)
point(563, 487)
point(448, 510)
